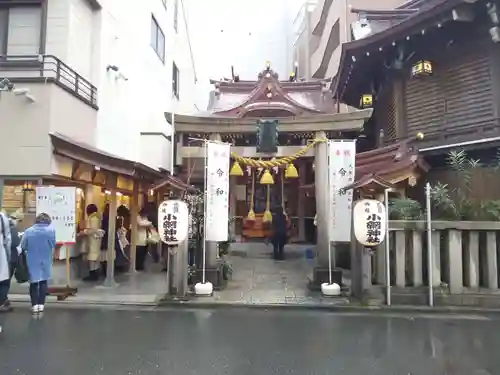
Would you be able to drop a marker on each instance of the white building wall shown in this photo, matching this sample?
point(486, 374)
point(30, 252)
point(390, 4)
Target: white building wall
point(134, 99)
point(137, 101)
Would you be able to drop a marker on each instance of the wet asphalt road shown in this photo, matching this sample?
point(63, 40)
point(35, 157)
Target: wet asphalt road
point(244, 342)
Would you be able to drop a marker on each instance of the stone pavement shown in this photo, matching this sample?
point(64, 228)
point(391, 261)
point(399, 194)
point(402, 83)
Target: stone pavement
point(259, 280)
point(144, 289)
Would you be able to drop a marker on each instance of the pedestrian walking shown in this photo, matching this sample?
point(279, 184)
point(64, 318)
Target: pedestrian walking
point(5, 256)
point(14, 221)
point(143, 227)
point(279, 233)
point(39, 242)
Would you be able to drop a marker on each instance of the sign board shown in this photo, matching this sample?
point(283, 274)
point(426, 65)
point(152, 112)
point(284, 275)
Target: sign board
point(217, 192)
point(173, 222)
point(370, 222)
point(60, 204)
point(341, 170)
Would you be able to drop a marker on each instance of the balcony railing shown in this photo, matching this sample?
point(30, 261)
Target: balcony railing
point(29, 68)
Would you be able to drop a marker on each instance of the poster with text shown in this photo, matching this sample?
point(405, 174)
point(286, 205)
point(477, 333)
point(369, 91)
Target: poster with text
point(60, 204)
point(341, 165)
point(217, 192)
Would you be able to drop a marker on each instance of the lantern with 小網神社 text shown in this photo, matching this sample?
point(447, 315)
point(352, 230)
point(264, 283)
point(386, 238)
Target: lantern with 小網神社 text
point(421, 68)
point(366, 101)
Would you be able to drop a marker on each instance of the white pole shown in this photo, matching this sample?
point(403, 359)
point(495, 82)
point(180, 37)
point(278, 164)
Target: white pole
point(172, 145)
point(387, 250)
point(330, 281)
point(203, 279)
point(430, 253)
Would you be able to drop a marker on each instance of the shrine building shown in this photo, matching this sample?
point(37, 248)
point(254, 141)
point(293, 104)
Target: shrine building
point(278, 130)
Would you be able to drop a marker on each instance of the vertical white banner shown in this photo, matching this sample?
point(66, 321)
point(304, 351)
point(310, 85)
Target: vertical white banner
point(341, 165)
point(217, 204)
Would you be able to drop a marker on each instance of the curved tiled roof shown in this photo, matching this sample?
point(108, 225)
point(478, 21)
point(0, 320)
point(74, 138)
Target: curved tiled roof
point(387, 165)
point(236, 99)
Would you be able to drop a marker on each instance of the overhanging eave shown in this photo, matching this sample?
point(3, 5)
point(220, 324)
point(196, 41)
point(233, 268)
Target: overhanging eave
point(350, 121)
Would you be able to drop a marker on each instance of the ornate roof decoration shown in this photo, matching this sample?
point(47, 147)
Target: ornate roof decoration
point(270, 96)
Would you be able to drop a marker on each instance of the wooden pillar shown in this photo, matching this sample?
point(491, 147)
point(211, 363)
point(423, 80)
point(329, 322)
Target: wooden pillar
point(110, 254)
point(134, 213)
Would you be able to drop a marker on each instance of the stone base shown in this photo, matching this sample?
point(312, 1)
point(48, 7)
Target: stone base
point(213, 275)
point(321, 275)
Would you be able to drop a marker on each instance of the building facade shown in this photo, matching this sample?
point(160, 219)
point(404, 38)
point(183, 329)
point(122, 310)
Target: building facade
point(450, 104)
point(326, 25)
point(80, 70)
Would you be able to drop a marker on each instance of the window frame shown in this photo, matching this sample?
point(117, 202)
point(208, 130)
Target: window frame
point(155, 27)
point(176, 16)
point(175, 80)
point(5, 13)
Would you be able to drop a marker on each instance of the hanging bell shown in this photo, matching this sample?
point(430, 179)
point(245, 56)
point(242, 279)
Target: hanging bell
point(251, 215)
point(267, 178)
point(236, 169)
point(291, 171)
point(267, 217)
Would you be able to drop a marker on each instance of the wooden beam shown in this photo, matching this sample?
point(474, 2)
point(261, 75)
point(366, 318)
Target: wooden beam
point(76, 170)
point(134, 213)
point(111, 251)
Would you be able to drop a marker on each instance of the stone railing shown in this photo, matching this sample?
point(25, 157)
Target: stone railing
point(465, 257)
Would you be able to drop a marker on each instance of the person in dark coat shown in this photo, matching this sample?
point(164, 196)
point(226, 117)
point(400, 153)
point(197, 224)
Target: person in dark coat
point(279, 233)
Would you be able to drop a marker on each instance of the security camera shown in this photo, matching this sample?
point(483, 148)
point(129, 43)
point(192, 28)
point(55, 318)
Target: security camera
point(31, 98)
point(24, 91)
point(112, 67)
point(121, 76)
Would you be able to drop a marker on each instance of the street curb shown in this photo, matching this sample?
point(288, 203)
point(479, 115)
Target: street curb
point(329, 308)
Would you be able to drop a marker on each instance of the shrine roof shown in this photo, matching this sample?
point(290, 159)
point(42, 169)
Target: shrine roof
point(387, 165)
point(245, 98)
point(405, 23)
point(349, 121)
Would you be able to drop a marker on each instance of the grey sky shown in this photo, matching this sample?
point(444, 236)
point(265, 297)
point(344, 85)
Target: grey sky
point(243, 33)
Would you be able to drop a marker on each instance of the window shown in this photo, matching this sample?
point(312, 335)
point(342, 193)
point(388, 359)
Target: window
point(20, 30)
point(4, 20)
point(175, 80)
point(176, 14)
point(157, 39)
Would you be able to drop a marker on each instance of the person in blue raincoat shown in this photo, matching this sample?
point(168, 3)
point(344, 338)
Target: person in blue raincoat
point(39, 242)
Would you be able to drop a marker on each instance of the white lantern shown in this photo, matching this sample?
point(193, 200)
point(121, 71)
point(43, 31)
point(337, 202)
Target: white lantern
point(173, 222)
point(370, 222)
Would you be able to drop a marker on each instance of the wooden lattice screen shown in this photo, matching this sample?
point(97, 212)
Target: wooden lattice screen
point(386, 115)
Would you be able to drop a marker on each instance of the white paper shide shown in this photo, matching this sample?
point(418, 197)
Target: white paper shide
point(217, 194)
point(173, 222)
point(60, 204)
point(370, 222)
point(341, 170)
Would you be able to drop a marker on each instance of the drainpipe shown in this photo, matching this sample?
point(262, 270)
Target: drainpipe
point(347, 24)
